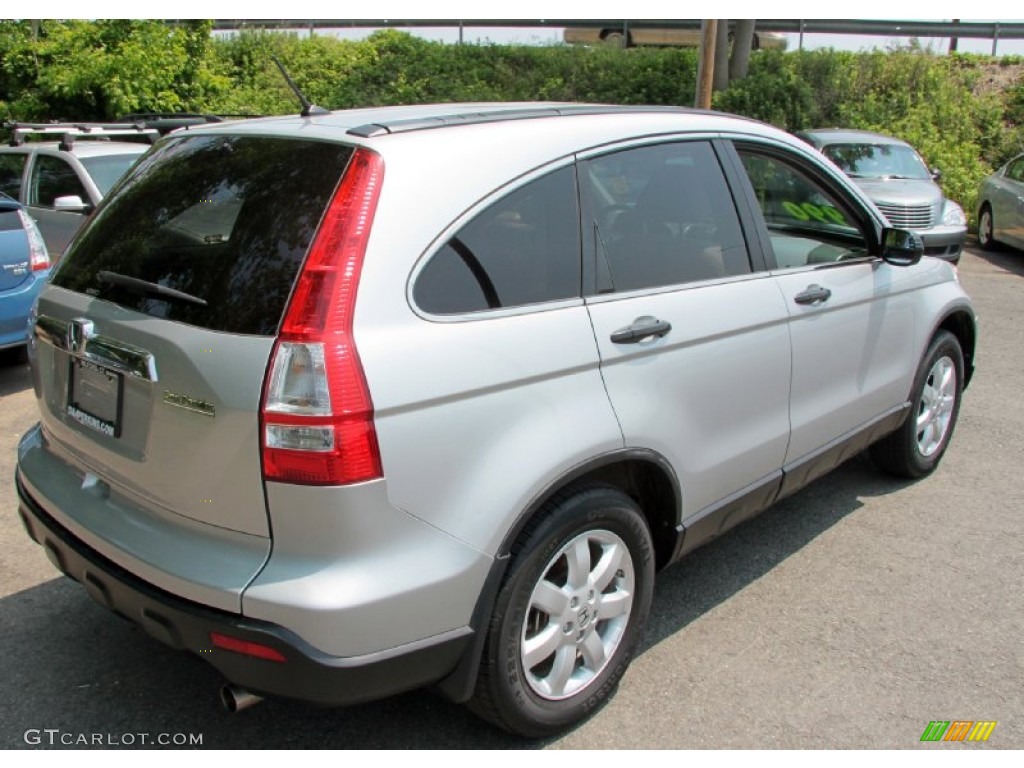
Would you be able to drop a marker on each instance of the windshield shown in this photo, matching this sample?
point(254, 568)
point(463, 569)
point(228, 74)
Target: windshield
point(878, 161)
point(107, 169)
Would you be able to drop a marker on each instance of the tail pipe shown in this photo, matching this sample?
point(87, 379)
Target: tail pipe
point(236, 699)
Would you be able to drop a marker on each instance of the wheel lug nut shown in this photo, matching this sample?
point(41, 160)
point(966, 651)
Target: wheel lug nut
point(590, 595)
point(568, 627)
point(574, 602)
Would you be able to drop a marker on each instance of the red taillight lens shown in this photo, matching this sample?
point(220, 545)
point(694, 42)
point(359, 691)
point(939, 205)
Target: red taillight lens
point(245, 647)
point(39, 257)
point(317, 415)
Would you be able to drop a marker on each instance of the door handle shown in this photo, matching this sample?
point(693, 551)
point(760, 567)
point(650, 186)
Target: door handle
point(642, 328)
point(813, 294)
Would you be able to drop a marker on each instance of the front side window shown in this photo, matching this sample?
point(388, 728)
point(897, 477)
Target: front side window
point(52, 178)
point(661, 215)
point(807, 224)
point(1015, 170)
point(523, 249)
point(11, 169)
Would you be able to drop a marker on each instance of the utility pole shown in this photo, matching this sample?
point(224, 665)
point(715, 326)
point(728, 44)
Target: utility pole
point(706, 70)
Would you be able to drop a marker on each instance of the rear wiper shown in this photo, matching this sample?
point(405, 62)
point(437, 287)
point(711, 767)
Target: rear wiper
point(135, 285)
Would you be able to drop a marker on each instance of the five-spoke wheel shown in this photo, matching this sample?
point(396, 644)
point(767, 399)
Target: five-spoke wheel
point(569, 613)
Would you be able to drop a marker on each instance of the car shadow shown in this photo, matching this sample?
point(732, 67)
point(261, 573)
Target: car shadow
point(1003, 257)
point(712, 574)
point(14, 373)
point(68, 664)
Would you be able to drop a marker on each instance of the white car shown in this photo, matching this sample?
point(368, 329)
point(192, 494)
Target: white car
point(63, 177)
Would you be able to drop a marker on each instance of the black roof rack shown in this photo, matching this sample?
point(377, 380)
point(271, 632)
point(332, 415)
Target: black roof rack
point(165, 122)
point(69, 132)
point(514, 113)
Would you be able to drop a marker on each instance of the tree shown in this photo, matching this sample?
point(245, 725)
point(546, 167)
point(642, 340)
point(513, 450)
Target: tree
point(742, 45)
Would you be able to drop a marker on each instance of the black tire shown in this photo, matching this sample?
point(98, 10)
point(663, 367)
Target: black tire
point(535, 701)
point(617, 38)
point(914, 451)
point(986, 228)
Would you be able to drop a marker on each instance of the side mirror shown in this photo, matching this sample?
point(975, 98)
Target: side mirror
point(70, 204)
point(901, 248)
point(936, 174)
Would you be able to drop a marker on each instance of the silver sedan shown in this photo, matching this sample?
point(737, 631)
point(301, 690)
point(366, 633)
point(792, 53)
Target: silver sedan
point(1001, 206)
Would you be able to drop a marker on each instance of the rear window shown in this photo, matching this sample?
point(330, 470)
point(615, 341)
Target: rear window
point(226, 220)
point(9, 219)
point(104, 170)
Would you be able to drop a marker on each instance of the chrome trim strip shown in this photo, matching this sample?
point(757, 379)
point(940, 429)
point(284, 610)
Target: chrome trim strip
point(98, 349)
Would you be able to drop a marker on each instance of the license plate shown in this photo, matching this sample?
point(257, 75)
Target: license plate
point(94, 397)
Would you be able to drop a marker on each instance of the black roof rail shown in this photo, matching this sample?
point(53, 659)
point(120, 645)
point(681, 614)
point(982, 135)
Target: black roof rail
point(165, 122)
point(69, 132)
point(370, 130)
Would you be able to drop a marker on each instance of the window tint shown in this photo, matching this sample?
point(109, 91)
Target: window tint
point(1016, 170)
point(11, 169)
point(52, 178)
point(807, 224)
point(523, 249)
point(662, 215)
point(226, 219)
point(9, 220)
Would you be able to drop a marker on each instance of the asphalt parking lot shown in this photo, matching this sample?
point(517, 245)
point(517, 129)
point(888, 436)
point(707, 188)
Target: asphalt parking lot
point(850, 615)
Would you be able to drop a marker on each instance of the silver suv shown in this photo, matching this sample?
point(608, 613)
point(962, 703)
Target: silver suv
point(61, 180)
point(380, 399)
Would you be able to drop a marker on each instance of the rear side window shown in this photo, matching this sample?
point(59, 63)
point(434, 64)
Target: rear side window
point(51, 178)
point(11, 169)
point(226, 220)
point(523, 249)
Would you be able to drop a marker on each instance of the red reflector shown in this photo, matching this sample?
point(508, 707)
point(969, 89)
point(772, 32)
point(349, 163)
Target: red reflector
point(236, 645)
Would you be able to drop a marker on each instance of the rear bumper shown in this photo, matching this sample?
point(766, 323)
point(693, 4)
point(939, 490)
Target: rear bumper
point(306, 674)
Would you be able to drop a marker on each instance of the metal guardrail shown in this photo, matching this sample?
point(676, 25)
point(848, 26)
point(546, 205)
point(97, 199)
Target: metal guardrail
point(993, 31)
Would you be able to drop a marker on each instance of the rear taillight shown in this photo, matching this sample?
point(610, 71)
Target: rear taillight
point(317, 416)
point(39, 257)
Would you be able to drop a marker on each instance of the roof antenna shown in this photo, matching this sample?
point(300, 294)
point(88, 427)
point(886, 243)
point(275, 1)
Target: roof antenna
point(308, 107)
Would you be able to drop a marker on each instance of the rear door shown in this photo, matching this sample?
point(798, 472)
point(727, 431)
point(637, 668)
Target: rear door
point(1009, 204)
point(852, 318)
point(157, 327)
point(691, 331)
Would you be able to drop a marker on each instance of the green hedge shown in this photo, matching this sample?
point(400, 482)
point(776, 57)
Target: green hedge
point(99, 70)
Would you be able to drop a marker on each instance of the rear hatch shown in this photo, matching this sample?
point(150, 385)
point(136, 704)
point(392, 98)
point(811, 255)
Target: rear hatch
point(156, 330)
point(14, 254)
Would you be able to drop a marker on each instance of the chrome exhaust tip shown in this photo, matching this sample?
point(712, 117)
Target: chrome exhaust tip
point(236, 699)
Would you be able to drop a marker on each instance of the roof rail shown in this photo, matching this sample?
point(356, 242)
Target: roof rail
point(68, 132)
point(514, 113)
